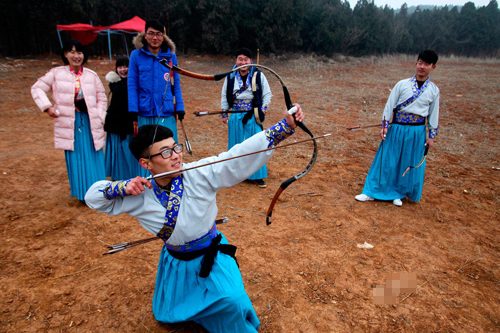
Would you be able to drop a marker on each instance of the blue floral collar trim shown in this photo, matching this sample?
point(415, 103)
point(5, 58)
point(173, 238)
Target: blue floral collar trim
point(171, 203)
point(416, 92)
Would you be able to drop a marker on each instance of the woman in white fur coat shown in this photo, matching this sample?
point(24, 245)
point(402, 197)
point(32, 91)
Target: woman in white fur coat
point(120, 126)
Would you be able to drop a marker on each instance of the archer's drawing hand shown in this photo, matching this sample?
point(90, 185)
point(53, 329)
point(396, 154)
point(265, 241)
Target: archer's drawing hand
point(299, 116)
point(136, 186)
point(52, 112)
point(383, 133)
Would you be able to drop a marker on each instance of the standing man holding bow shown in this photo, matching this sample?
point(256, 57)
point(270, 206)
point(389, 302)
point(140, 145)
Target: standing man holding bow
point(150, 92)
point(239, 95)
point(410, 103)
point(198, 277)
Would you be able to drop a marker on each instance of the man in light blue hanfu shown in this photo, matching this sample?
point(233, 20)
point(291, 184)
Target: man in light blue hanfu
point(404, 143)
point(238, 95)
point(198, 278)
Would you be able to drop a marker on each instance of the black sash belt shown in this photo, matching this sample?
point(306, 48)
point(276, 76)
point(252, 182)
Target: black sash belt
point(408, 124)
point(209, 252)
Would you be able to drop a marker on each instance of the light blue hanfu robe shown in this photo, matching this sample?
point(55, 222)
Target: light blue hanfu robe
point(183, 218)
point(404, 144)
point(120, 163)
point(84, 164)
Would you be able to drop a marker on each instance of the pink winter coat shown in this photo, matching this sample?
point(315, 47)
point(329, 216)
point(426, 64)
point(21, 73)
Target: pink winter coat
point(62, 83)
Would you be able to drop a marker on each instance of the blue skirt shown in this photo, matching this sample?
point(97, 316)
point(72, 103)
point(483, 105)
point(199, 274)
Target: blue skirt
point(218, 302)
point(84, 164)
point(120, 163)
point(237, 133)
point(168, 122)
point(403, 147)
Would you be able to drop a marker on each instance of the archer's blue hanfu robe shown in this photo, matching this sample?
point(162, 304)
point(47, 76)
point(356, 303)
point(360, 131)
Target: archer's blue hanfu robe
point(404, 144)
point(217, 302)
point(237, 132)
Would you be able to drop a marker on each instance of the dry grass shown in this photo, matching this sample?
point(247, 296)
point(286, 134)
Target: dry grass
point(310, 61)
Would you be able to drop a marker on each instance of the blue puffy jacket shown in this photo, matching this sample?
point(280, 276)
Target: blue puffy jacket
point(149, 83)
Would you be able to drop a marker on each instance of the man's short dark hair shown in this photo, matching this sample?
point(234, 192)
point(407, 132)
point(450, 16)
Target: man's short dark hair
point(155, 25)
point(428, 56)
point(244, 51)
point(140, 144)
point(68, 46)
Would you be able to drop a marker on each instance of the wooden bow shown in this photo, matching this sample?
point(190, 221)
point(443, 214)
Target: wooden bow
point(289, 105)
point(421, 161)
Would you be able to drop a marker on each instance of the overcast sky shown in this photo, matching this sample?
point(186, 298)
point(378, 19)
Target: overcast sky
point(396, 4)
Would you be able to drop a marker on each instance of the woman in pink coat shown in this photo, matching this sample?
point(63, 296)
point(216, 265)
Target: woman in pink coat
point(78, 111)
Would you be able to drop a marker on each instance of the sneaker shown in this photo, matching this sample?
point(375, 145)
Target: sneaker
point(363, 197)
point(397, 202)
point(260, 183)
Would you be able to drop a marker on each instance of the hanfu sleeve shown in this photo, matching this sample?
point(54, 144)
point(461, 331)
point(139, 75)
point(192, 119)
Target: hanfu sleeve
point(229, 173)
point(223, 100)
point(433, 118)
point(109, 197)
point(266, 93)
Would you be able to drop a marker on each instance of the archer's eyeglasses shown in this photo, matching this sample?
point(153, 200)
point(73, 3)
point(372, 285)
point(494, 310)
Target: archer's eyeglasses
point(167, 153)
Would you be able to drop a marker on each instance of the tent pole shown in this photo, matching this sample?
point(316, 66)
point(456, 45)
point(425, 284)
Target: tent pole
point(109, 44)
point(126, 46)
point(59, 34)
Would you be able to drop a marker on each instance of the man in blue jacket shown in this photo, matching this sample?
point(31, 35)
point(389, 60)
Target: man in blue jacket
point(151, 91)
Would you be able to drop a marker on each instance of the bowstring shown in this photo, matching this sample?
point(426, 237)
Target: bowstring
point(303, 127)
point(158, 121)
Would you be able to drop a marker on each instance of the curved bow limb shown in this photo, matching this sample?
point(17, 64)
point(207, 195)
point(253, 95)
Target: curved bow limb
point(254, 91)
point(289, 105)
point(302, 173)
point(288, 182)
point(421, 161)
point(177, 69)
point(214, 77)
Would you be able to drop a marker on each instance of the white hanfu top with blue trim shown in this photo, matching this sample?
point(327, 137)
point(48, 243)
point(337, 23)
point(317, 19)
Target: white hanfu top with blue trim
point(425, 105)
point(404, 143)
point(218, 302)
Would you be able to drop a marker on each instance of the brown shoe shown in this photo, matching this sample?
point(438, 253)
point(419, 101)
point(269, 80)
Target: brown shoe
point(260, 183)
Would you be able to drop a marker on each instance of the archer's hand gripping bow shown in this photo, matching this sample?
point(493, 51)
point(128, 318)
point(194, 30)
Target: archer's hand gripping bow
point(289, 105)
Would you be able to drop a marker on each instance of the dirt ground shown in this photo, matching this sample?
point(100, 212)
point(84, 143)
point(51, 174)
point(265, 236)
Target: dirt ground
point(304, 272)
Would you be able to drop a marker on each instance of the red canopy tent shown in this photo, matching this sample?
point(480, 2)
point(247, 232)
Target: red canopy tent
point(132, 26)
point(86, 33)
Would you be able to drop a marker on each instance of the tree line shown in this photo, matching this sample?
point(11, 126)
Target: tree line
point(323, 27)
